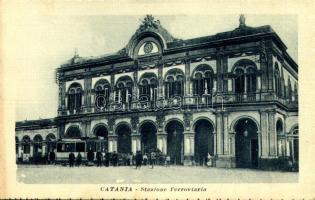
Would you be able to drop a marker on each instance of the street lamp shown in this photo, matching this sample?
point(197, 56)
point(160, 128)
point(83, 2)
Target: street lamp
point(245, 133)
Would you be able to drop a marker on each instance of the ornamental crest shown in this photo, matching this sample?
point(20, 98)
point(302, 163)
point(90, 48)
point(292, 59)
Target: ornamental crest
point(149, 22)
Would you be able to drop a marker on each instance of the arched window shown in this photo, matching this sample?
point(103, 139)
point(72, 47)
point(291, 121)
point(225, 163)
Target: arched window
point(202, 80)
point(73, 132)
point(277, 81)
point(245, 79)
point(75, 98)
point(123, 90)
point(174, 83)
point(148, 87)
point(102, 93)
point(239, 81)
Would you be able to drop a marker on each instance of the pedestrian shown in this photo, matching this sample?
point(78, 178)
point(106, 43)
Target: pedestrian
point(71, 159)
point(153, 159)
point(107, 159)
point(139, 159)
point(168, 160)
point(99, 158)
point(79, 159)
point(90, 157)
point(131, 159)
point(209, 163)
point(115, 158)
point(145, 159)
point(52, 157)
point(128, 159)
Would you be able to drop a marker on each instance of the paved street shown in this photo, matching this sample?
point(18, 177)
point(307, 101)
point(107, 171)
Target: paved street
point(160, 174)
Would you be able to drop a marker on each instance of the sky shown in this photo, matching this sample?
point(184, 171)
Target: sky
point(41, 43)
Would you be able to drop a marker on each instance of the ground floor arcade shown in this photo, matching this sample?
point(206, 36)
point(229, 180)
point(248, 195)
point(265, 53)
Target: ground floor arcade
point(232, 139)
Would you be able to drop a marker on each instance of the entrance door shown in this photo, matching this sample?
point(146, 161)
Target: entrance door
point(204, 141)
point(246, 144)
point(175, 142)
point(254, 153)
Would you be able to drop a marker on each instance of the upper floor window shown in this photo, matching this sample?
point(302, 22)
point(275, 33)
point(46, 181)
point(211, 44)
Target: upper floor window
point(174, 83)
point(102, 93)
point(148, 87)
point(202, 80)
point(123, 90)
point(245, 78)
point(75, 97)
point(278, 84)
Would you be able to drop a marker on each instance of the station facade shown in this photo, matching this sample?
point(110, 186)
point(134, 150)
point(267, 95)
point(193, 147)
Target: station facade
point(233, 95)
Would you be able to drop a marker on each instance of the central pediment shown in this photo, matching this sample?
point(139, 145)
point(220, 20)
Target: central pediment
point(149, 39)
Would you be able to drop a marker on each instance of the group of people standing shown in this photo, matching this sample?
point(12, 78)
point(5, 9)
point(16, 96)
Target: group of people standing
point(115, 159)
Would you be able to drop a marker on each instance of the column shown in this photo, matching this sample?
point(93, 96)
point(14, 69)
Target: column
point(232, 143)
point(263, 66)
point(162, 141)
point(44, 146)
point(264, 141)
point(189, 139)
point(272, 134)
point(87, 94)
point(135, 143)
point(135, 84)
point(160, 80)
point(270, 71)
point(225, 73)
point(187, 77)
point(226, 137)
point(31, 150)
point(112, 143)
point(62, 98)
point(219, 134)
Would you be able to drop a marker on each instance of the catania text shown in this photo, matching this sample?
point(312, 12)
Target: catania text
point(153, 189)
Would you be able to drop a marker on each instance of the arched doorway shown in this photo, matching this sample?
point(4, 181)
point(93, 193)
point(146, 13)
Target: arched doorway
point(26, 144)
point(295, 143)
point(175, 144)
point(148, 137)
point(204, 141)
point(101, 134)
point(123, 132)
point(38, 145)
point(246, 143)
point(51, 142)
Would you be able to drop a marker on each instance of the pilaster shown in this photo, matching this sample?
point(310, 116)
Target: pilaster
point(87, 94)
point(264, 134)
point(272, 133)
point(187, 77)
point(162, 141)
point(189, 147)
point(160, 79)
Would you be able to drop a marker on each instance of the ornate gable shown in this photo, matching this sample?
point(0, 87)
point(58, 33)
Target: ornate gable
point(150, 38)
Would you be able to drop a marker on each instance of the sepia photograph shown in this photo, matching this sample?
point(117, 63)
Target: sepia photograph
point(157, 100)
point(164, 108)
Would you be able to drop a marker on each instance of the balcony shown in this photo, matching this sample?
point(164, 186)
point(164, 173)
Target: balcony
point(178, 102)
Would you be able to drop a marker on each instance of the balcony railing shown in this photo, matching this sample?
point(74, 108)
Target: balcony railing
point(178, 102)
